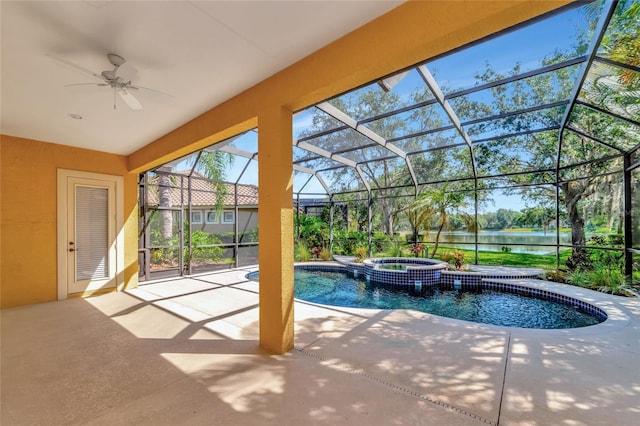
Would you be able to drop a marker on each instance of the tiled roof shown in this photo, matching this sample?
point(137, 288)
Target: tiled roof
point(202, 192)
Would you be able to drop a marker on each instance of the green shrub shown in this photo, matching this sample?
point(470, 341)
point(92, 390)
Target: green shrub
point(203, 247)
point(346, 242)
point(610, 280)
point(379, 242)
point(227, 237)
point(337, 248)
point(313, 231)
point(454, 258)
point(580, 278)
point(394, 249)
point(302, 253)
point(161, 256)
point(446, 256)
point(606, 276)
point(556, 275)
point(360, 253)
point(325, 254)
point(616, 239)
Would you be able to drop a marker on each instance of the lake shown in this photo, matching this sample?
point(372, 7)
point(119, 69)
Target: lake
point(495, 240)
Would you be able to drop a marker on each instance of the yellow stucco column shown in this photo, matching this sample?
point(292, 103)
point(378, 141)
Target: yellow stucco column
point(275, 227)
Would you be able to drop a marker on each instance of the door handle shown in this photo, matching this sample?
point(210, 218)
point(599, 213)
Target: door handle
point(71, 249)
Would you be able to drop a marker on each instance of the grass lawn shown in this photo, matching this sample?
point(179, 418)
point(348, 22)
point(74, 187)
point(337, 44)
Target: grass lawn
point(546, 261)
point(528, 260)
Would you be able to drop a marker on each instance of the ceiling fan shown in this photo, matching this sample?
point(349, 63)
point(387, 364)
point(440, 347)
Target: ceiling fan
point(111, 79)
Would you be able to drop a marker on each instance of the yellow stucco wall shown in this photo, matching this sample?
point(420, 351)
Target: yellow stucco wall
point(28, 269)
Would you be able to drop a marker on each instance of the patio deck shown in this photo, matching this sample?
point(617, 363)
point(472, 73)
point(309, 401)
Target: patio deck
point(185, 351)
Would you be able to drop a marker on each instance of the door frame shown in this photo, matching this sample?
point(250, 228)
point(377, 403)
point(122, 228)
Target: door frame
point(62, 214)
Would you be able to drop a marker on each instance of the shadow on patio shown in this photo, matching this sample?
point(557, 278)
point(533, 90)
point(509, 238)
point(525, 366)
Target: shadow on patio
point(186, 351)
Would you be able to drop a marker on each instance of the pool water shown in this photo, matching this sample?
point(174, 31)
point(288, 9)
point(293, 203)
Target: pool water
point(483, 306)
point(393, 266)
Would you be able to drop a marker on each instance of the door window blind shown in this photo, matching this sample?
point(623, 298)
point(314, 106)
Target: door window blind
point(92, 233)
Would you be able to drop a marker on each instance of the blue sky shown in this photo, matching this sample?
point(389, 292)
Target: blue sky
point(526, 46)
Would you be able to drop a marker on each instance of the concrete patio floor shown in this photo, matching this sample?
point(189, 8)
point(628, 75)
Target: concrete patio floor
point(185, 352)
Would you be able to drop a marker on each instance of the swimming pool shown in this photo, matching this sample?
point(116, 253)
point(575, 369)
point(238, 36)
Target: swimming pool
point(480, 305)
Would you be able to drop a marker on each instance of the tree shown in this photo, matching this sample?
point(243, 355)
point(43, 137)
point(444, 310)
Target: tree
point(164, 202)
point(500, 219)
point(212, 165)
point(542, 166)
point(387, 174)
point(437, 205)
point(616, 88)
point(537, 217)
point(418, 220)
point(583, 164)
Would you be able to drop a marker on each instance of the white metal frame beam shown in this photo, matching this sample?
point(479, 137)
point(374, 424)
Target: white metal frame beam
point(433, 85)
point(368, 133)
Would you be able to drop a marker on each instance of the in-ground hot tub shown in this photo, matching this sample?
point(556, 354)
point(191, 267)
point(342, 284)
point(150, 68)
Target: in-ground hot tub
point(402, 270)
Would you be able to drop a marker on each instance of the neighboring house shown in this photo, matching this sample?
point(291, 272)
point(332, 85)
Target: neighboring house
point(204, 214)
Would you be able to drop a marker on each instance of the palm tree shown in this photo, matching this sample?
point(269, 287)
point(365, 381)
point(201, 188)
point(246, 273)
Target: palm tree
point(164, 194)
point(419, 219)
point(213, 165)
point(437, 205)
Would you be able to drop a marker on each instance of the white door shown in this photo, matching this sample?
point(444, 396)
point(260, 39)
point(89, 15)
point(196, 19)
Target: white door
point(88, 232)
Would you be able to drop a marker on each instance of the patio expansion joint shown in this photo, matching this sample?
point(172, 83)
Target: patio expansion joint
point(504, 376)
point(348, 369)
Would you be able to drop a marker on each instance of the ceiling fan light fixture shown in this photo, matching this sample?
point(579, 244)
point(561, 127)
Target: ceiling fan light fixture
point(109, 74)
point(116, 60)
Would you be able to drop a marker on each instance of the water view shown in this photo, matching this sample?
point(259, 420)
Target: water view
point(528, 242)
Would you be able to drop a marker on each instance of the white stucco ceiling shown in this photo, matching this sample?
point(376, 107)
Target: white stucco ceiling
point(199, 52)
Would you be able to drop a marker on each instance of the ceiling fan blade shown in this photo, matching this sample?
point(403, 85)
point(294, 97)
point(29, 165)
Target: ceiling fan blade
point(130, 100)
point(75, 67)
point(146, 89)
point(86, 84)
